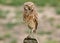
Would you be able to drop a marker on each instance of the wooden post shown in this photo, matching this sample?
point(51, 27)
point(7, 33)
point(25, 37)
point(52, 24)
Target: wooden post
point(29, 39)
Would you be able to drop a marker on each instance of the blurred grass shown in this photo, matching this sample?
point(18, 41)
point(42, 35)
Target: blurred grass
point(18, 14)
point(7, 35)
point(58, 10)
point(38, 2)
point(51, 41)
point(51, 20)
point(43, 33)
point(1, 37)
point(18, 17)
point(3, 13)
point(14, 40)
point(53, 2)
point(10, 25)
point(58, 26)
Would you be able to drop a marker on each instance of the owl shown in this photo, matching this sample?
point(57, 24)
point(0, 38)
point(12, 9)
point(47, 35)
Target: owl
point(30, 16)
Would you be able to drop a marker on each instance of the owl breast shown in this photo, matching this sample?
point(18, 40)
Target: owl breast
point(31, 21)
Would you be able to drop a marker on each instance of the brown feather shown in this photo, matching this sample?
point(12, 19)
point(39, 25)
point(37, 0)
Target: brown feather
point(31, 18)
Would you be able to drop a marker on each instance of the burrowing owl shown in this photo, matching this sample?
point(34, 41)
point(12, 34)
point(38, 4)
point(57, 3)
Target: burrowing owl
point(30, 16)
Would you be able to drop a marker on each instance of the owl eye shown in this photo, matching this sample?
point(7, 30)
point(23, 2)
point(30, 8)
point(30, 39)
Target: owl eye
point(25, 8)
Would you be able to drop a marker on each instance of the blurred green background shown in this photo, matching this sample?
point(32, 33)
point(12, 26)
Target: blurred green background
point(38, 2)
point(13, 28)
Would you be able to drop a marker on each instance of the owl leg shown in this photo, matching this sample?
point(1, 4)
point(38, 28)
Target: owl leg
point(33, 32)
point(30, 32)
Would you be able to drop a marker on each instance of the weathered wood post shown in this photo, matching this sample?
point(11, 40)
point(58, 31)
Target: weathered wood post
point(29, 39)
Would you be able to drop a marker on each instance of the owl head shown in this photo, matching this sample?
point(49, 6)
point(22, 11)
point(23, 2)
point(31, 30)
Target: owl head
point(29, 7)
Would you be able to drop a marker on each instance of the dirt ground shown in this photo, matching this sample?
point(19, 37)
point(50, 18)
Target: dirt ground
point(19, 32)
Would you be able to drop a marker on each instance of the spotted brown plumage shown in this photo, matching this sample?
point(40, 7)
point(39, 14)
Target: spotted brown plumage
point(30, 16)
